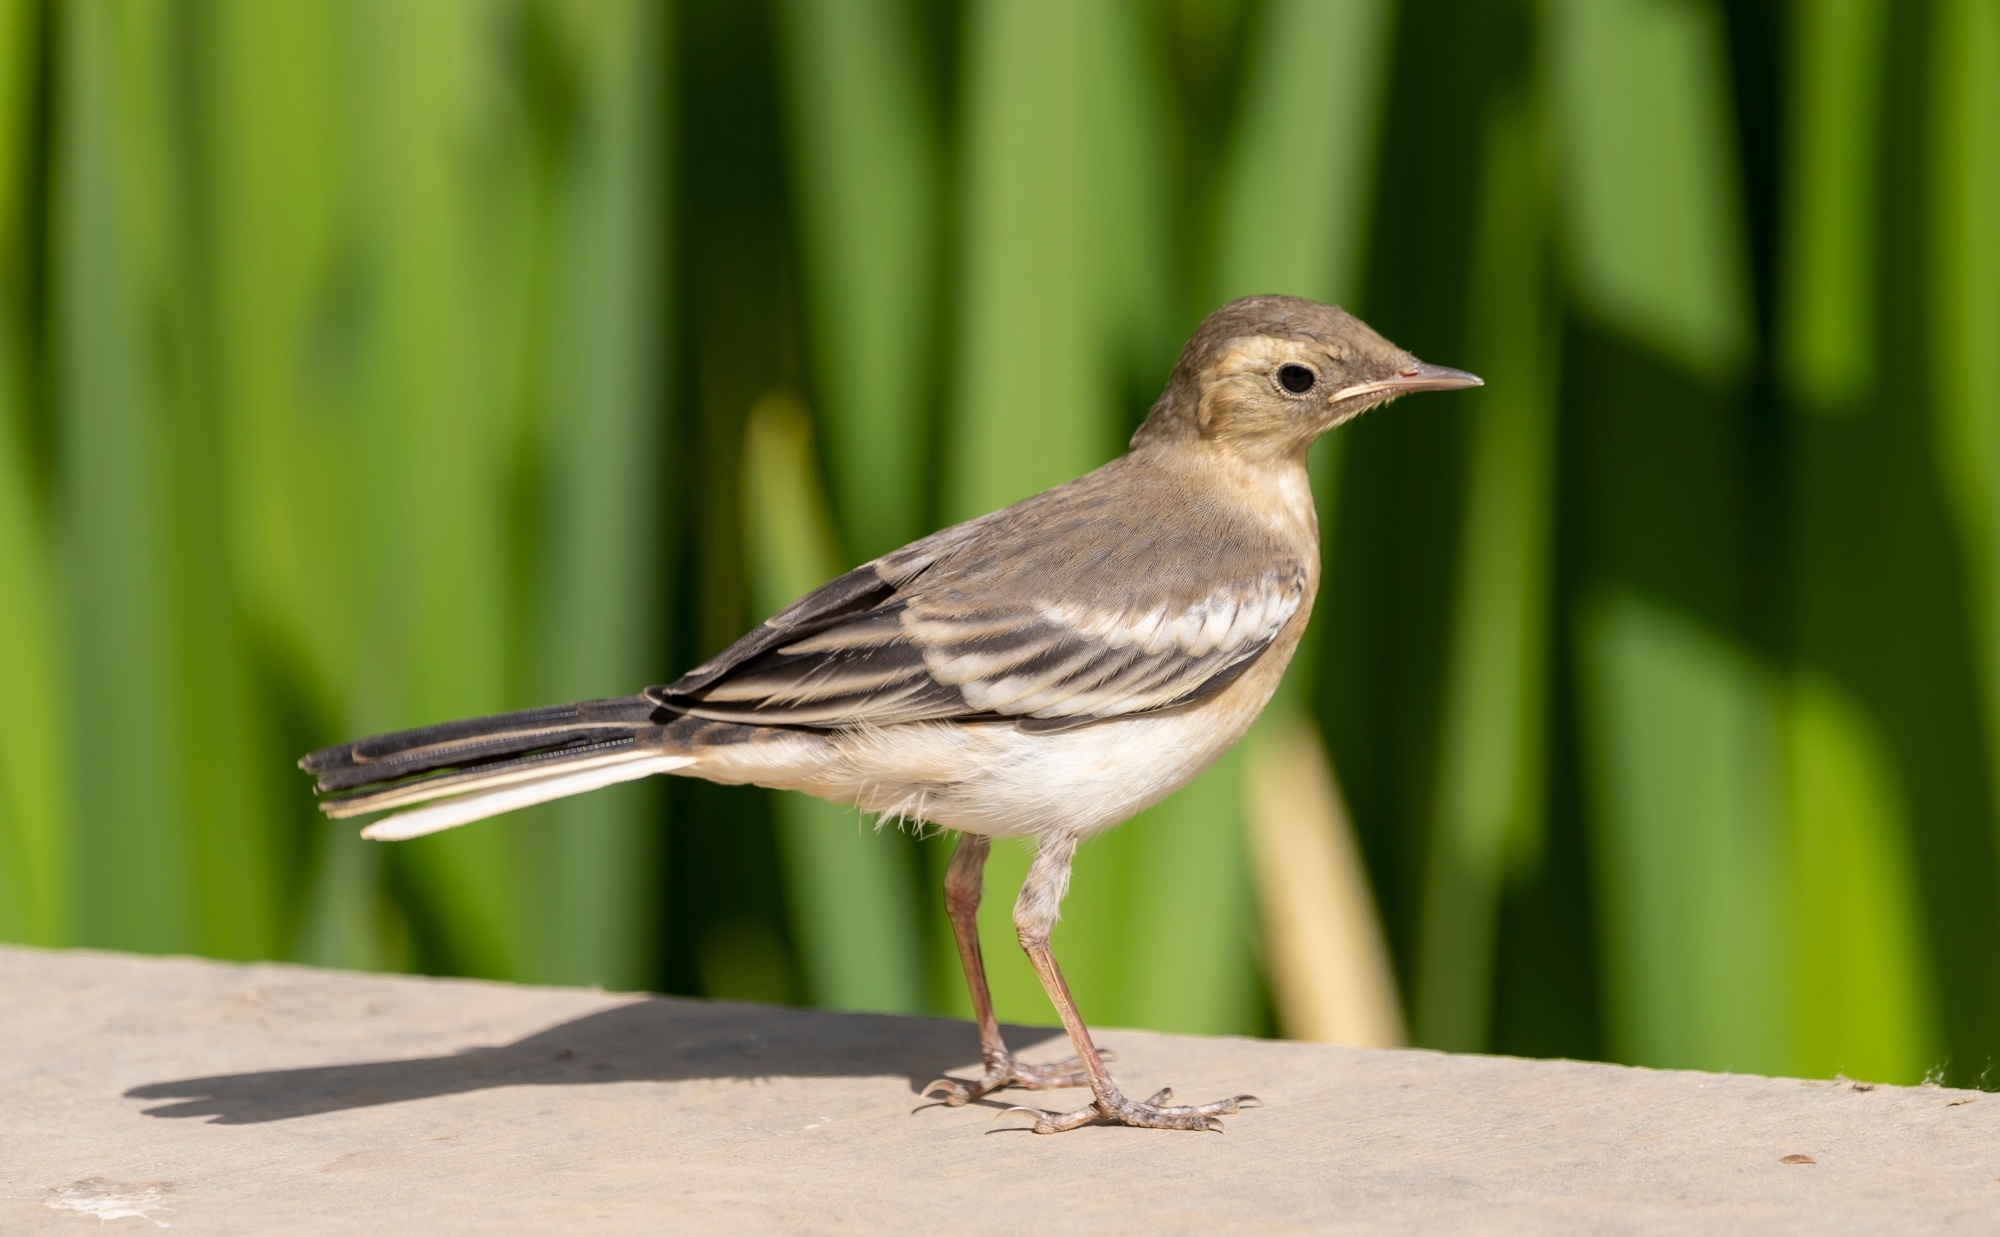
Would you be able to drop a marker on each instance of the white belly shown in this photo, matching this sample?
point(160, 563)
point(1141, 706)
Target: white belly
point(1000, 782)
point(991, 778)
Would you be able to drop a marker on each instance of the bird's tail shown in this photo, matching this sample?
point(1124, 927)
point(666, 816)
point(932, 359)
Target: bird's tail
point(468, 770)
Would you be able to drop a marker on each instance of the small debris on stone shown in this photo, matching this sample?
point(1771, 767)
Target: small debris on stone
point(1798, 1159)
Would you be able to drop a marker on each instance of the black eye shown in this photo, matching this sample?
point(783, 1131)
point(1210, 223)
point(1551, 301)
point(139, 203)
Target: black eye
point(1296, 378)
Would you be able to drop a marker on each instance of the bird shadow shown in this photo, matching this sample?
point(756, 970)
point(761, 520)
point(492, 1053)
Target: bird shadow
point(652, 1040)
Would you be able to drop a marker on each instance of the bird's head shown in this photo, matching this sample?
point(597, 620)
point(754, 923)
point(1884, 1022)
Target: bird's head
point(1265, 376)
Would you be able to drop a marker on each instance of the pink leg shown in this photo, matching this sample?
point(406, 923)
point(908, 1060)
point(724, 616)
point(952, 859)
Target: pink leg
point(962, 884)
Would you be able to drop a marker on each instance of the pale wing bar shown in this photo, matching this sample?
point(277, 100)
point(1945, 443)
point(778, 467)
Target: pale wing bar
point(1081, 664)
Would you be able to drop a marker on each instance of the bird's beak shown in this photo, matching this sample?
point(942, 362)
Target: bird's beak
point(1418, 376)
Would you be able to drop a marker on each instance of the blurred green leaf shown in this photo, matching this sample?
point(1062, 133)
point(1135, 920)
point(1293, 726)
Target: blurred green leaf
point(31, 820)
point(1063, 242)
point(1489, 785)
point(1965, 274)
point(1644, 114)
point(1692, 880)
point(1827, 348)
point(176, 860)
point(593, 632)
point(868, 163)
point(294, 297)
point(1295, 191)
point(1861, 980)
point(439, 400)
point(32, 833)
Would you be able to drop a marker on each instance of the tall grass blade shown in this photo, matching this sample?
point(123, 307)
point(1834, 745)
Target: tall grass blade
point(1961, 269)
point(1048, 204)
point(178, 859)
point(1859, 955)
point(1682, 737)
point(295, 295)
point(1653, 206)
point(1863, 1001)
point(1489, 784)
point(32, 882)
point(1965, 276)
point(1826, 345)
point(868, 167)
point(1685, 743)
point(1295, 189)
point(140, 892)
point(439, 394)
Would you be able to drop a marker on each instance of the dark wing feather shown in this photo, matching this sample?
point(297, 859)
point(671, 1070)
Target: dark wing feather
point(853, 595)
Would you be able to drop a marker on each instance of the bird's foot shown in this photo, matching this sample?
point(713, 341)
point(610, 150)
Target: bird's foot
point(1154, 1114)
point(1009, 1072)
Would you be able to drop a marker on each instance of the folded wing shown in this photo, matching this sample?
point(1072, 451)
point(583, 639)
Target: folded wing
point(949, 633)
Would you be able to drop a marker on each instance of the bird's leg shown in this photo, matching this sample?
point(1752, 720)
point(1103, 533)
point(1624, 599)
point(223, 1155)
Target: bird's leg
point(962, 883)
point(1034, 917)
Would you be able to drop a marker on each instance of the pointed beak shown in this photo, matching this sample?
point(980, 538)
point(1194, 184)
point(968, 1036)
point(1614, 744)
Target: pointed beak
point(1426, 377)
point(1417, 376)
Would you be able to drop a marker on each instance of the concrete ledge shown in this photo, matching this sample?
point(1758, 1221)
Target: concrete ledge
point(270, 1099)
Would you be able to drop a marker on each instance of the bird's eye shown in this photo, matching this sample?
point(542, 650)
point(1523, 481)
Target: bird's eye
point(1296, 378)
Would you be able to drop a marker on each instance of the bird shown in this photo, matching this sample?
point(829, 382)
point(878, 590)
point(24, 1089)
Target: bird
point(1042, 672)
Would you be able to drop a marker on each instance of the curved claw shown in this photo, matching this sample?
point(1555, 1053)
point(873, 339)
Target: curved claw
point(1041, 1125)
point(956, 1094)
point(1212, 1124)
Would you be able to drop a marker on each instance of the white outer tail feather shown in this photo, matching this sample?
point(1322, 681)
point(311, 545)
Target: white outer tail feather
point(426, 791)
point(474, 805)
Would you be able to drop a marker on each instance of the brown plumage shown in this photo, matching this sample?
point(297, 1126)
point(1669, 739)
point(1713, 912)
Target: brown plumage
point(1045, 671)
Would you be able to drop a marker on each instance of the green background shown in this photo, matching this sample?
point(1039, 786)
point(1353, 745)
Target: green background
point(369, 363)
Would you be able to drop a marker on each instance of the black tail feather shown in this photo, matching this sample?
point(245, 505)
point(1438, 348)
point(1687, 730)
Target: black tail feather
point(480, 744)
point(383, 796)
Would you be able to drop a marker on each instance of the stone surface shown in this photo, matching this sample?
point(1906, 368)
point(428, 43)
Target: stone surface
point(143, 1093)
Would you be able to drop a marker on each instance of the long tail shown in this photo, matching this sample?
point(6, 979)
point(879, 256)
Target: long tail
point(482, 766)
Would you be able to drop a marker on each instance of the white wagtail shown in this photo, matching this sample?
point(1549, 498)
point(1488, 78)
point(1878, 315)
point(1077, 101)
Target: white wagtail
point(1044, 672)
